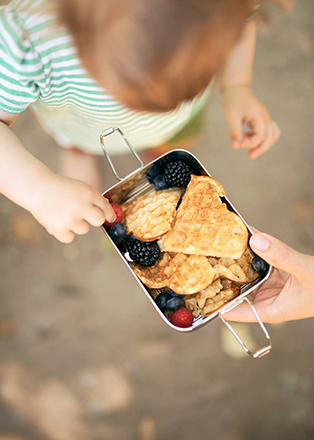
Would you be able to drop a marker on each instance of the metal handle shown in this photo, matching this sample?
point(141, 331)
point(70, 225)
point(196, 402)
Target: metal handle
point(102, 143)
point(258, 353)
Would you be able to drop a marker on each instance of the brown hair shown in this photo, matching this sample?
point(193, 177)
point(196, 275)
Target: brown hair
point(154, 54)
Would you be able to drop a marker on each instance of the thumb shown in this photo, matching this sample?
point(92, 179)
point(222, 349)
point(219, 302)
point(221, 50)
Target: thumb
point(279, 255)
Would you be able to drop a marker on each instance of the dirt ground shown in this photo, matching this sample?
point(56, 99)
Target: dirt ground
point(83, 354)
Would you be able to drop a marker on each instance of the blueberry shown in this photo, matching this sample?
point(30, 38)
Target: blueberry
point(172, 293)
point(160, 183)
point(174, 303)
point(152, 172)
point(117, 232)
point(259, 265)
point(131, 238)
point(162, 300)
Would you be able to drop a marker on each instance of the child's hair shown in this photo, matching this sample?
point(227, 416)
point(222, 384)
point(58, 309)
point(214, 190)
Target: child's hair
point(154, 54)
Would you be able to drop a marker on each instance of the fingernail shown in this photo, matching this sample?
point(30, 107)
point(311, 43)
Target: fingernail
point(235, 143)
point(112, 219)
point(259, 242)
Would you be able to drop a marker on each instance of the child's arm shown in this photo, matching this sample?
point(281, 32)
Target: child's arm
point(63, 206)
point(239, 102)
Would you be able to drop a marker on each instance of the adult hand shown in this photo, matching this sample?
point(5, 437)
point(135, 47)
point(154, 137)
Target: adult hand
point(288, 294)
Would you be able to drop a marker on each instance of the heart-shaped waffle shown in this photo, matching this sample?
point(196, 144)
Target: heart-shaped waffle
point(204, 225)
point(150, 216)
point(185, 274)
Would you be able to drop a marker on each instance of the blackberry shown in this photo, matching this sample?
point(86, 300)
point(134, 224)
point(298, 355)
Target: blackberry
point(259, 265)
point(177, 174)
point(174, 156)
point(144, 253)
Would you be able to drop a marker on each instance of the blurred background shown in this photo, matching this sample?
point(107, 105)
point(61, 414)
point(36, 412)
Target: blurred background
point(83, 354)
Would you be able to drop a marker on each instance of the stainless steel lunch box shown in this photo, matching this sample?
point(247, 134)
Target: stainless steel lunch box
point(134, 185)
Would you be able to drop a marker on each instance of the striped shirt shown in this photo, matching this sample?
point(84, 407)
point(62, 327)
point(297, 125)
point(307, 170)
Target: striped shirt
point(40, 68)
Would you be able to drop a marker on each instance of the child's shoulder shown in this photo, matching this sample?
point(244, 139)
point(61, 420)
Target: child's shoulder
point(25, 15)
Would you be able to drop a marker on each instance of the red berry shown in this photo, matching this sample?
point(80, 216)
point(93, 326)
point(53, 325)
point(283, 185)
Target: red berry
point(108, 196)
point(119, 213)
point(182, 317)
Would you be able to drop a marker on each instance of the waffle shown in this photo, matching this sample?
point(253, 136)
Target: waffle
point(154, 277)
point(185, 274)
point(189, 273)
point(150, 216)
point(239, 270)
point(204, 225)
point(212, 299)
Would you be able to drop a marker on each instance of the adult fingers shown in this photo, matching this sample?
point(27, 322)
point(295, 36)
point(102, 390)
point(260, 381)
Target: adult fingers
point(280, 255)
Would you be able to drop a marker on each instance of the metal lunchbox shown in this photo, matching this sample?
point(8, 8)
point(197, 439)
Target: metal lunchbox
point(136, 184)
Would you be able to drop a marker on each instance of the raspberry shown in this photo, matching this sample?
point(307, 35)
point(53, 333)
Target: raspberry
point(177, 174)
point(144, 253)
point(108, 196)
point(119, 213)
point(182, 317)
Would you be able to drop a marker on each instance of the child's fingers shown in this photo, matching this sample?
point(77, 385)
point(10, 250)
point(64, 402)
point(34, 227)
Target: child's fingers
point(258, 135)
point(65, 236)
point(104, 205)
point(235, 130)
point(81, 227)
point(96, 217)
point(272, 134)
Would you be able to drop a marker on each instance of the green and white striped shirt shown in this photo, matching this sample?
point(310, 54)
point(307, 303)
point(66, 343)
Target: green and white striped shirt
point(40, 68)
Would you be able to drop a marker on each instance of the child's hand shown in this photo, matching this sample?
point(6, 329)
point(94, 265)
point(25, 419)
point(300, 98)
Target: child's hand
point(66, 207)
point(289, 292)
point(242, 107)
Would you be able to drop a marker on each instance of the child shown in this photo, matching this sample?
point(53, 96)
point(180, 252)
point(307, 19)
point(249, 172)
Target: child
point(145, 66)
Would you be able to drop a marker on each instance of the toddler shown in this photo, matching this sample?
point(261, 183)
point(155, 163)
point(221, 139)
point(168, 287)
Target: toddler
point(146, 66)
